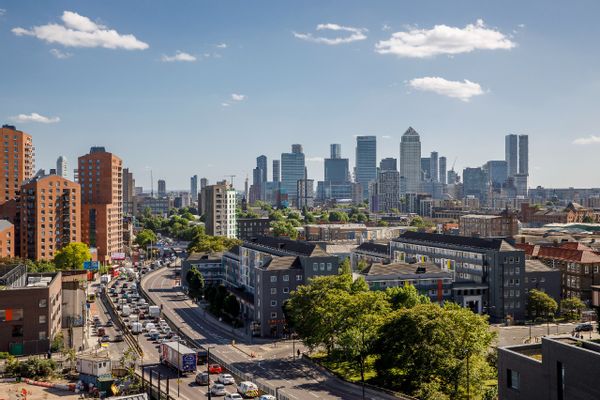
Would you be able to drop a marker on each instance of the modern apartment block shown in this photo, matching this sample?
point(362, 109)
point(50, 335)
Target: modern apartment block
point(249, 228)
point(30, 310)
point(384, 194)
point(220, 210)
point(370, 253)
point(62, 167)
point(194, 188)
point(50, 215)
point(7, 239)
point(101, 180)
point(558, 368)
point(292, 170)
point(19, 161)
point(489, 264)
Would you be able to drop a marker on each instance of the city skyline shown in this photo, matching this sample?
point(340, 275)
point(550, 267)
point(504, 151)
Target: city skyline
point(148, 82)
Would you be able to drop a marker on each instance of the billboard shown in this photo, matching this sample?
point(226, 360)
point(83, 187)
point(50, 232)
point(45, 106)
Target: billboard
point(91, 265)
point(117, 256)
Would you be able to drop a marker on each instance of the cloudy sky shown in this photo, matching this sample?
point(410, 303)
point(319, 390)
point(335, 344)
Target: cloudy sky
point(199, 87)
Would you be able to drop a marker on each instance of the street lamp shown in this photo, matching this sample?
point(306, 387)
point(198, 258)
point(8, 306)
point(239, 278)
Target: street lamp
point(208, 369)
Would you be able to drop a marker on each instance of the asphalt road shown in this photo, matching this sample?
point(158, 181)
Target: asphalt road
point(297, 379)
point(519, 334)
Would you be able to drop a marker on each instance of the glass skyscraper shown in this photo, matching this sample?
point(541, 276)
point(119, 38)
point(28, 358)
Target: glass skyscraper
point(365, 170)
point(410, 160)
point(292, 170)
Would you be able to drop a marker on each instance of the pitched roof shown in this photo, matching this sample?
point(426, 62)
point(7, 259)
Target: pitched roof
point(404, 270)
point(478, 243)
point(374, 248)
point(566, 253)
point(282, 263)
point(285, 245)
point(575, 246)
point(536, 266)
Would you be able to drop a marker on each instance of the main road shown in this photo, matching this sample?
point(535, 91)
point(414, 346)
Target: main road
point(296, 379)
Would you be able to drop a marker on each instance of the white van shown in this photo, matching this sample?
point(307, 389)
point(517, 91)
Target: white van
point(149, 326)
point(136, 328)
point(247, 389)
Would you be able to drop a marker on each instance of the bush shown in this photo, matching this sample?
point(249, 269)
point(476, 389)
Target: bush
point(34, 368)
point(4, 355)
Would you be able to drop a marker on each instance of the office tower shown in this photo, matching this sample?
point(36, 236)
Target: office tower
point(511, 153)
point(50, 215)
point(434, 166)
point(220, 210)
point(276, 170)
point(203, 183)
point(19, 163)
point(365, 170)
point(497, 171)
point(443, 170)
point(128, 193)
point(100, 177)
point(292, 170)
point(523, 154)
point(410, 160)
point(335, 150)
point(385, 193)
point(261, 164)
point(475, 183)
point(425, 169)
point(62, 167)
point(452, 177)
point(194, 188)
point(388, 164)
point(162, 188)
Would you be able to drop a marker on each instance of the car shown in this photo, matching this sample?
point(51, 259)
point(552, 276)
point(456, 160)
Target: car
point(226, 379)
point(154, 335)
point(109, 323)
point(584, 327)
point(215, 369)
point(118, 338)
point(233, 396)
point(202, 378)
point(176, 338)
point(105, 338)
point(267, 397)
point(169, 336)
point(218, 390)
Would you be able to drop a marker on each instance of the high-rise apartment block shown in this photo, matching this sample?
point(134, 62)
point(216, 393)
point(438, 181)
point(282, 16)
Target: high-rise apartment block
point(517, 159)
point(220, 210)
point(511, 154)
point(194, 188)
point(101, 180)
point(128, 193)
point(62, 167)
point(337, 169)
point(410, 160)
point(335, 150)
point(385, 192)
point(162, 188)
point(443, 176)
point(292, 170)
point(365, 170)
point(19, 161)
point(434, 166)
point(276, 170)
point(50, 215)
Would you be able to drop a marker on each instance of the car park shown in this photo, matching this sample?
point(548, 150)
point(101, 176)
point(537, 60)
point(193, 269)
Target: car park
point(218, 390)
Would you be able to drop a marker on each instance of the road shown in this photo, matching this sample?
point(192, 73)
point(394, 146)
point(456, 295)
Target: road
point(519, 334)
point(297, 379)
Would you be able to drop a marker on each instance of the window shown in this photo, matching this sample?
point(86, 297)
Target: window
point(286, 278)
point(328, 266)
point(322, 266)
point(17, 331)
point(273, 290)
point(273, 278)
point(43, 303)
point(273, 315)
point(273, 303)
point(513, 379)
point(298, 277)
point(286, 290)
point(315, 266)
point(42, 335)
point(42, 319)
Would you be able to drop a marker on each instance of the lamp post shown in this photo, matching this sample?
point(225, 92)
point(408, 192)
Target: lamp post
point(208, 369)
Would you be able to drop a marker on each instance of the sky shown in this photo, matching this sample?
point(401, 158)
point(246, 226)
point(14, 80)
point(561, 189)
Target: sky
point(204, 87)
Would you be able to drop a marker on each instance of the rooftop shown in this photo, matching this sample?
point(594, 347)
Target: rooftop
point(536, 266)
point(283, 263)
point(406, 271)
point(204, 257)
point(475, 243)
point(374, 248)
point(479, 216)
point(4, 224)
point(284, 245)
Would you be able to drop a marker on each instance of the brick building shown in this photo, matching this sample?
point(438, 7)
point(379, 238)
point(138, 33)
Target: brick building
point(573, 212)
point(7, 239)
point(18, 164)
point(489, 226)
point(100, 177)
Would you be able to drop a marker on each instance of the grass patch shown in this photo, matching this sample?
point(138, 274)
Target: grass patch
point(345, 369)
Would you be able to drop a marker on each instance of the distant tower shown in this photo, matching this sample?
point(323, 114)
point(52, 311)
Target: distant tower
point(162, 188)
point(443, 177)
point(62, 167)
point(410, 160)
point(434, 166)
point(194, 187)
point(523, 154)
point(365, 170)
point(276, 170)
point(511, 154)
point(246, 192)
point(336, 151)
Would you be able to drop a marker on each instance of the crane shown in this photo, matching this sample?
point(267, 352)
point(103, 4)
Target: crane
point(231, 177)
point(454, 163)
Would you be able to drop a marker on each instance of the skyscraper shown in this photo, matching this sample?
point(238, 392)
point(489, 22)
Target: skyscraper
point(162, 188)
point(100, 177)
point(410, 160)
point(434, 166)
point(511, 154)
point(497, 171)
point(203, 183)
point(336, 150)
point(220, 210)
point(194, 187)
point(425, 169)
point(523, 154)
point(386, 191)
point(443, 177)
point(365, 170)
point(128, 192)
point(19, 163)
point(276, 170)
point(388, 164)
point(475, 183)
point(261, 164)
point(62, 167)
point(292, 170)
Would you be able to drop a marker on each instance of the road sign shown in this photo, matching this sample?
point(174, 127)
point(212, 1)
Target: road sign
point(91, 265)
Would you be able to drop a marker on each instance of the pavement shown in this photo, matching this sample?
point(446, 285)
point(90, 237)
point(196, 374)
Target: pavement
point(272, 365)
point(521, 334)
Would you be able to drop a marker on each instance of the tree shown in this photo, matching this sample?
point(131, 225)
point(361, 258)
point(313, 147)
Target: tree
point(571, 308)
point(72, 256)
point(284, 228)
point(345, 267)
point(338, 216)
point(195, 282)
point(540, 305)
point(382, 223)
point(145, 237)
point(361, 265)
point(231, 306)
point(405, 297)
point(203, 243)
point(359, 285)
point(587, 220)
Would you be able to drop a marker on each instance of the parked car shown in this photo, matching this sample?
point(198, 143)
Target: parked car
point(584, 327)
point(267, 397)
point(226, 379)
point(118, 338)
point(218, 390)
point(215, 369)
point(233, 396)
point(105, 338)
point(109, 323)
point(202, 378)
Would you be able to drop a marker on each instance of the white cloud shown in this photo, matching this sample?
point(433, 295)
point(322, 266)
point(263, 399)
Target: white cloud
point(355, 34)
point(179, 56)
point(60, 54)
point(80, 31)
point(443, 39)
point(224, 104)
point(238, 97)
point(456, 89)
point(2, 12)
point(386, 27)
point(592, 139)
point(35, 117)
point(221, 46)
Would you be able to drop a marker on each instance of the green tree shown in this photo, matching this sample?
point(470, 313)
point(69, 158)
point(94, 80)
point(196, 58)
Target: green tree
point(231, 306)
point(72, 256)
point(571, 308)
point(540, 305)
point(362, 265)
point(195, 282)
point(345, 267)
point(284, 228)
point(203, 243)
point(359, 285)
point(145, 237)
point(405, 297)
point(382, 223)
point(338, 216)
point(587, 220)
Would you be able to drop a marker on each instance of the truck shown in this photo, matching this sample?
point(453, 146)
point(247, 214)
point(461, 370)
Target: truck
point(154, 311)
point(126, 310)
point(178, 356)
point(105, 279)
point(137, 328)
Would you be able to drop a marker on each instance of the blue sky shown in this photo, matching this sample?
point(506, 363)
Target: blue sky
point(203, 87)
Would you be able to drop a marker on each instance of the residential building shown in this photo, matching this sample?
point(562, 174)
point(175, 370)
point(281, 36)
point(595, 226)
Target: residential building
point(335, 150)
point(157, 205)
point(410, 160)
point(203, 183)
point(62, 167)
point(8, 242)
point(194, 188)
point(523, 155)
point(385, 192)
point(365, 170)
point(503, 225)
point(162, 188)
point(511, 152)
point(50, 216)
point(261, 164)
point(128, 193)
point(292, 170)
point(370, 253)
point(30, 310)
point(388, 164)
point(558, 368)
point(276, 170)
point(101, 180)
point(434, 166)
point(249, 228)
point(305, 193)
point(572, 213)
point(221, 210)
point(19, 161)
point(335, 232)
point(210, 265)
point(442, 172)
